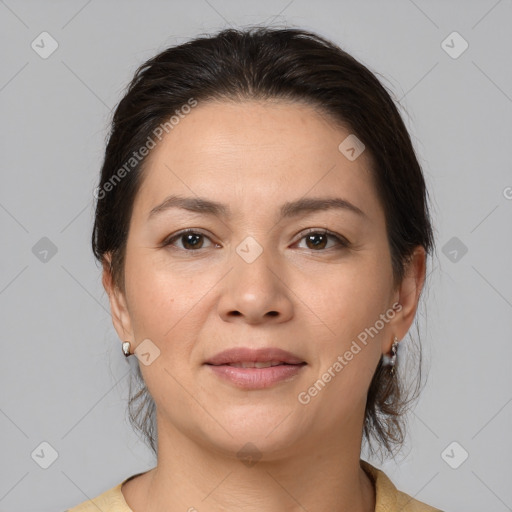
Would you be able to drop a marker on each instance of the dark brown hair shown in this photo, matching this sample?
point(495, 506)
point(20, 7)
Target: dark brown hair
point(270, 63)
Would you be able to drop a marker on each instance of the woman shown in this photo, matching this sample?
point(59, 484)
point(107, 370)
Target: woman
point(263, 227)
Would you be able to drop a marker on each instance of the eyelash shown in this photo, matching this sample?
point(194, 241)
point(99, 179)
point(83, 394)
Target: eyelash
point(342, 241)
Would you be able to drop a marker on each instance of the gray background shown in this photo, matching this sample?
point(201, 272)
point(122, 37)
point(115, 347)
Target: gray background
point(64, 380)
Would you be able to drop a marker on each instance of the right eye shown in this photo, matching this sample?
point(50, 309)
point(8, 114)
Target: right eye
point(191, 240)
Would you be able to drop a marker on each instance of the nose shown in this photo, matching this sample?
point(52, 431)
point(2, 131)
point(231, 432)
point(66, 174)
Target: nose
point(256, 292)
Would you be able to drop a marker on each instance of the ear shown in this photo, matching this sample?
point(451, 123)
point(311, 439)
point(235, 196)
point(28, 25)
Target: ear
point(118, 307)
point(408, 295)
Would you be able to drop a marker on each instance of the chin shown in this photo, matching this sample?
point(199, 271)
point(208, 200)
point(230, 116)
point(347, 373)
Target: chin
point(254, 446)
point(266, 433)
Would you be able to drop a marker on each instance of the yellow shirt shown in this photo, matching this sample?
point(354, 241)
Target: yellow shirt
point(388, 497)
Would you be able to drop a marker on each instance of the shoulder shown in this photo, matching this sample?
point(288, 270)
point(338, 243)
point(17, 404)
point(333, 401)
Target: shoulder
point(111, 500)
point(389, 498)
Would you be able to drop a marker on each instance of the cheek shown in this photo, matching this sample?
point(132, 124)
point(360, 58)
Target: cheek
point(347, 354)
point(159, 296)
point(351, 297)
point(350, 302)
point(152, 304)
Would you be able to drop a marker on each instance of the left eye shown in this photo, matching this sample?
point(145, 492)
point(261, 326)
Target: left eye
point(315, 239)
point(318, 239)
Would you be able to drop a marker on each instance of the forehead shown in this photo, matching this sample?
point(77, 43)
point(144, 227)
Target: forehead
point(258, 152)
point(252, 126)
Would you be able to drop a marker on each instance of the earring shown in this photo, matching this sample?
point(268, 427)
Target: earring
point(126, 348)
point(392, 359)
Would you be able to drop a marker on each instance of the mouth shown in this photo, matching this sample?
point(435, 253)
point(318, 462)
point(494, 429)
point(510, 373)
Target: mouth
point(255, 369)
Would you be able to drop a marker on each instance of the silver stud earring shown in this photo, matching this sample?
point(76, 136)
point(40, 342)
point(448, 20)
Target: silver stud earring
point(126, 348)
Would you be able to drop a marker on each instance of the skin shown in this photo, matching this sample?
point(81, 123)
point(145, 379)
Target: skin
point(254, 156)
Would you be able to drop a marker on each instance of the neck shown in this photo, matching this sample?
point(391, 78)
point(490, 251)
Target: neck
point(314, 476)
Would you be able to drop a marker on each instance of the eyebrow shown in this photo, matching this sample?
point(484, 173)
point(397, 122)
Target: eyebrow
point(288, 210)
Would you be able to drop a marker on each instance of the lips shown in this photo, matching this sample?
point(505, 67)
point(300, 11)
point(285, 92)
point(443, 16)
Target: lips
point(254, 358)
point(251, 369)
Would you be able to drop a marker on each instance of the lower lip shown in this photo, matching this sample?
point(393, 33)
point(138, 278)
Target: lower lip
point(257, 378)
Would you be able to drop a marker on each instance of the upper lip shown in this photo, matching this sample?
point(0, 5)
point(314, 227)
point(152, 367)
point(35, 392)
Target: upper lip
point(248, 355)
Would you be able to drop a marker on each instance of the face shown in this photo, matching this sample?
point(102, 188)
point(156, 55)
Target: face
point(259, 276)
